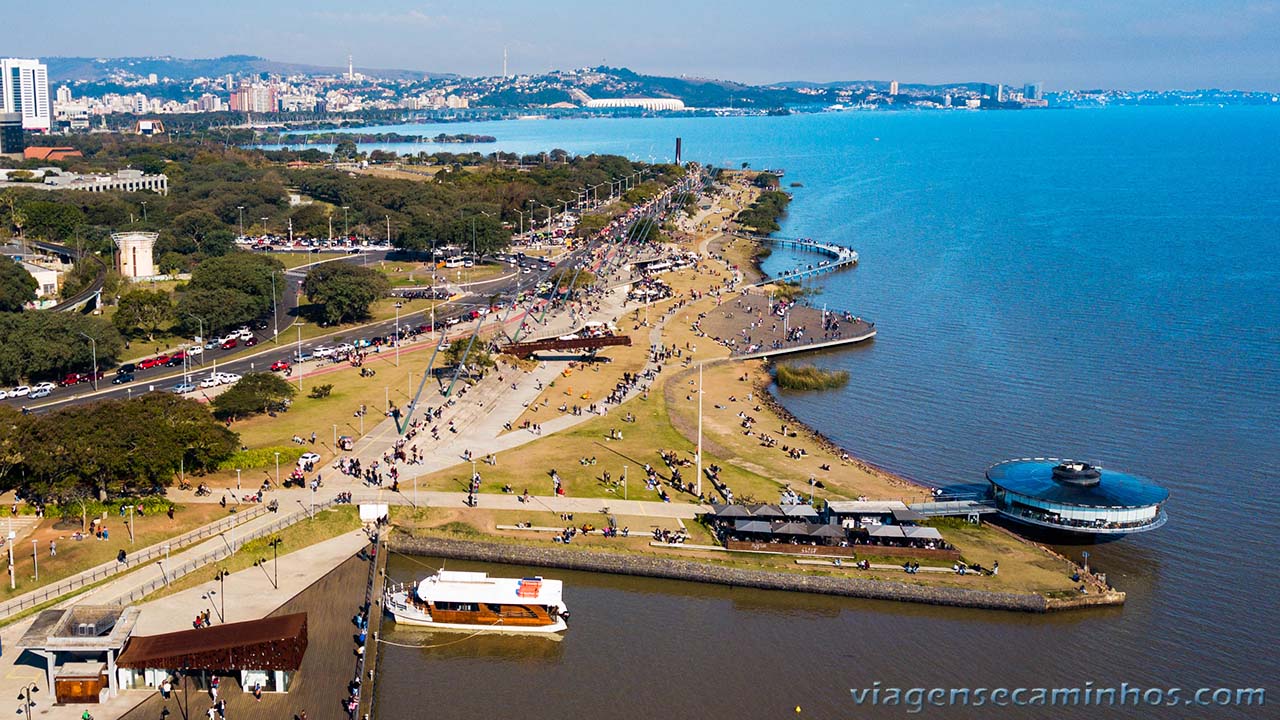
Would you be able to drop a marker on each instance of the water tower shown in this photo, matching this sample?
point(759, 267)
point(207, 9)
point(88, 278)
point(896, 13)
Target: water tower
point(134, 260)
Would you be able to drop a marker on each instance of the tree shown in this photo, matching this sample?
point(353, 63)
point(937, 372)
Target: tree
point(44, 344)
point(344, 291)
point(345, 150)
point(113, 448)
point(143, 311)
point(479, 356)
point(767, 180)
point(17, 287)
point(254, 393)
point(230, 290)
point(52, 220)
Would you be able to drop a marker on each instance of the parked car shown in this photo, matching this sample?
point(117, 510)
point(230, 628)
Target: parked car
point(227, 378)
point(212, 344)
point(301, 357)
point(229, 343)
point(182, 387)
point(212, 381)
point(309, 457)
point(244, 333)
point(279, 366)
point(177, 358)
point(195, 350)
point(4, 394)
point(122, 378)
point(72, 379)
point(51, 387)
point(148, 363)
point(39, 393)
point(126, 368)
point(250, 341)
point(323, 351)
point(20, 391)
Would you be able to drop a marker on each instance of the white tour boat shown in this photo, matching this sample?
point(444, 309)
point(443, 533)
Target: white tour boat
point(454, 600)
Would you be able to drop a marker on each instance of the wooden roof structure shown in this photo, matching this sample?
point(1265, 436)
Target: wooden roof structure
point(272, 643)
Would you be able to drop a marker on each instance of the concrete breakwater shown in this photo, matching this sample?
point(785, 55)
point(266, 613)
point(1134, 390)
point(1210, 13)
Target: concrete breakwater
point(675, 569)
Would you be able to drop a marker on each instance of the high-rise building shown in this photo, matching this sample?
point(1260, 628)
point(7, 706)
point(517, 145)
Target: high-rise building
point(255, 98)
point(64, 95)
point(893, 87)
point(11, 140)
point(1000, 93)
point(24, 89)
point(1032, 91)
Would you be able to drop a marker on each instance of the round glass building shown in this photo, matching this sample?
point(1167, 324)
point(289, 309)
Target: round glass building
point(1073, 496)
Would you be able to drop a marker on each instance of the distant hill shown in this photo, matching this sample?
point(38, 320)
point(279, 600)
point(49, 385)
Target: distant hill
point(72, 69)
point(696, 92)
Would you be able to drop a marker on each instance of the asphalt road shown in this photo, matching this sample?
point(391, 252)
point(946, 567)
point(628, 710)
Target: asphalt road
point(267, 352)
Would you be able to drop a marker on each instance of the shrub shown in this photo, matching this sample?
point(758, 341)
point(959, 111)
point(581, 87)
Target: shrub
point(320, 392)
point(261, 458)
point(809, 377)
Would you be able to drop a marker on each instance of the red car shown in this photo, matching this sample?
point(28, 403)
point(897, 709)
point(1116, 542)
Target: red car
point(151, 362)
point(279, 366)
point(73, 378)
point(251, 342)
point(229, 343)
point(177, 358)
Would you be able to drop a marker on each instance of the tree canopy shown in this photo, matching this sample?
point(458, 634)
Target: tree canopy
point(111, 448)
point(344, 292)
point(17, 287)
point(230, 290)
point(142, 311)
point(254, 393)
point(45, 345)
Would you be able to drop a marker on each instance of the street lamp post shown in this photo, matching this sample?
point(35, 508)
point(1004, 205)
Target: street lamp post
point(222, 590)
point(35, 557)
point(203, 339)
point(94, 346)
point(275, 310)
point(240, 209)
point(346, 223)
point(264, 226)
point(397, 334)
point(277, 469)
point(27, 699)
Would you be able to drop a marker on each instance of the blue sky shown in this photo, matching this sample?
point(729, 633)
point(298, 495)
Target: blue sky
point(1062, 43)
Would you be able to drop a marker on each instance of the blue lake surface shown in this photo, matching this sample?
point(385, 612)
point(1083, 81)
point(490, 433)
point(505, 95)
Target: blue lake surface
point(1097, 284)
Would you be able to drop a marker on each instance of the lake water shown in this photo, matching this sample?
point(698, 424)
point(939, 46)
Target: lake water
point(1098, 284)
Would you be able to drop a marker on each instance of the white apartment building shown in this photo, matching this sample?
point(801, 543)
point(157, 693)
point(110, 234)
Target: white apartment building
point(24, 89)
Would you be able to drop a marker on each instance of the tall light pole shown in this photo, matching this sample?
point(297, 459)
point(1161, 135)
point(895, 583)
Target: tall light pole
point(346, 222)
point(397, 334)
point(27, 698)
point(93, 344)
point(699, 429)
point(277, 469)
point(275, 311)
point(203, 339)
point(299, 356)
point(264, 227)
point(35, 557)
point(144, 211)
point(240, 209)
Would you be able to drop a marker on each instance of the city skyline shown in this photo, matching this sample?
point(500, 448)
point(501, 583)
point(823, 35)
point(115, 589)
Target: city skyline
point(1142, 45)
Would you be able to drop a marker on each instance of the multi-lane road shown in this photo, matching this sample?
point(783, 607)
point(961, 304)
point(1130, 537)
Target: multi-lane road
point(271, 349)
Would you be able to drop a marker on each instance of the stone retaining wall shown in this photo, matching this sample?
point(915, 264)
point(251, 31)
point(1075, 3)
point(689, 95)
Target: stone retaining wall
point(673, 569)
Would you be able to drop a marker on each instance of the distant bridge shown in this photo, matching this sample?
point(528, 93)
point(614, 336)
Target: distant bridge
point(92, 292)
point(591, 344)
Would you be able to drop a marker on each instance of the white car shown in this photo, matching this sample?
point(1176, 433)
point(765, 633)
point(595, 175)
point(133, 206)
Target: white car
point(308, 458)
point(195, 350)
point(244, 333)
point(212, 381)
point(20, 391)
point(345, 349)
point(227, 378)
point(44, 386)
point(4, 394)
point(323, 351)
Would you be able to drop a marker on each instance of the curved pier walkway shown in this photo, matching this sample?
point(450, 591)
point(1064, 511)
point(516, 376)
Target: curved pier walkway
point(841, 257)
